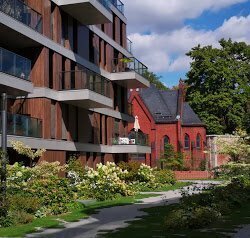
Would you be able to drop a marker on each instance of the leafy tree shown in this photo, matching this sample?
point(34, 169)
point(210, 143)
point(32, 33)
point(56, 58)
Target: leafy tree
point(218, 85)
point(171, 159)
point(156, 80)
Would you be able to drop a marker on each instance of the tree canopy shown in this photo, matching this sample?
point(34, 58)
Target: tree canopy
point(218, 85)
point(156, 80)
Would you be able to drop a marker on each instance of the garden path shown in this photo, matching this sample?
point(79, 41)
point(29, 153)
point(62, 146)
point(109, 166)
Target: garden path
point(110, 219)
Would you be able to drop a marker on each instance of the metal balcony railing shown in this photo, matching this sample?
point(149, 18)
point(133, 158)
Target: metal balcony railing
point(21, 125)
point(134, 138)
point(84, 79)
point(15, 65)
point(23, 13)
point(128, 64)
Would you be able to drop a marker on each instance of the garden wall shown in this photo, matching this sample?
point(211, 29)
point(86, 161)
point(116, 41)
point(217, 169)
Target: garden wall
point(193, 175)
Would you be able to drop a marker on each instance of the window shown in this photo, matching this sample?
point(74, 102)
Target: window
point(198, 141)
point(186, 141)
point(166, 140)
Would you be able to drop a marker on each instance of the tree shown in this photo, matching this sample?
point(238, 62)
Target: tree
point(218, 85)
point(171, 159)
point(156, 80)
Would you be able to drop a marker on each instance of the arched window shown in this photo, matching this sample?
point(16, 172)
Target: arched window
point(186, 141)
point(198, 141)
point(166, 140)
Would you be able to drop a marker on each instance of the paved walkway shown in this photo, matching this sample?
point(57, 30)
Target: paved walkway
point(112, 218)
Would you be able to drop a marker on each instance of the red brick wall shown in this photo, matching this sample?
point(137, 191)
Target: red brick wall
point(193, 175)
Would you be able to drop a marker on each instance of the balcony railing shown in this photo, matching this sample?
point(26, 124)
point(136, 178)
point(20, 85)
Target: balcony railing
point(127, 65)
point(119, 5)
point(84, 79)
point(134, 138)
point(23, 13)
point(106, 4)
point(129, 45)
point(13, 64)
point(21, 125)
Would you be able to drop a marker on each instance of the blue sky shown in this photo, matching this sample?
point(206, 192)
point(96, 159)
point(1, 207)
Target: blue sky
point(162, 31)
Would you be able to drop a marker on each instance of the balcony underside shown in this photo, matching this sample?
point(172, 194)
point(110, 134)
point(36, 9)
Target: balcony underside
point(15, 39)
point(131, 149)
point(14, 86)
point(88, 12)
point(130, 80)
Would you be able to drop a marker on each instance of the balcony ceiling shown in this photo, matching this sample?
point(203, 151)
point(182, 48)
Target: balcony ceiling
point(14, 39)
point(88, 12)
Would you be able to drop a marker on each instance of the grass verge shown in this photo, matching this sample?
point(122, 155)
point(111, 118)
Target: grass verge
point(152, 225)
point(77, 213)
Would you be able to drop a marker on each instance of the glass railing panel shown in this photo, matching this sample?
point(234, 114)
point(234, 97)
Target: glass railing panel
point(13, 64)
point(84, 79)
point(129, 45)
point(21, 125)
point(128, 64)
point(119, 5)
point(23, 13)
point(106, 4)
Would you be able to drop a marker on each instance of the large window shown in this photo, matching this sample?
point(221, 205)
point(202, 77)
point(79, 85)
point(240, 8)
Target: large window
point(186, 141)
point(198, 141)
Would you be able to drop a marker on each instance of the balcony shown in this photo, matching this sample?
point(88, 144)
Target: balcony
point(129, 72)
point(85, 88)
point(136, 142)
point(22, 13)
point(88, 12)
point(119, 5)
point(14, 73)
point(21, 125)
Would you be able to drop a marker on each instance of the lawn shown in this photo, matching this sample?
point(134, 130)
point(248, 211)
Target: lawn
point(167, 187)
point(78, 212)
point(152, 225)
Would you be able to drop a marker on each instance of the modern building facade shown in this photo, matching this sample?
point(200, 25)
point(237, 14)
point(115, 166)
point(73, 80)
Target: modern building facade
point(168, 119)
point(67, 66)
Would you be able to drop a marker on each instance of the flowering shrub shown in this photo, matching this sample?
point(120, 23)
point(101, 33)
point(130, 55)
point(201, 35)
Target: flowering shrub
point(145, 174)
point(164, 176)
point(132, 167)
point(104, 183)
point(25, 150)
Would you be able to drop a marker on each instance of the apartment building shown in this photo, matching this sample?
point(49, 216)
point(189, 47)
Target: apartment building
point(66, 66)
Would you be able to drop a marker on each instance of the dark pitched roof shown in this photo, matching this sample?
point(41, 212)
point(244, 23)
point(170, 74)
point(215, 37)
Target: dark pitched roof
point(163, 106)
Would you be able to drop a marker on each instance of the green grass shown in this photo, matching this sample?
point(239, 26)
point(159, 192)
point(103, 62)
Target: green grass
point(152, 225)
point(168, 187)
point(77, 213)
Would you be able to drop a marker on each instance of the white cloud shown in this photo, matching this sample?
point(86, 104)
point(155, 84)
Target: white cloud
point(157, 50)
point(162, 15)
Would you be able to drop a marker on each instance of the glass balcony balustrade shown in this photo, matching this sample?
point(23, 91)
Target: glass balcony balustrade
point(23, 13)
point(134, 138)
point(128, 64)
point(84, 79)
point(15, 65)
point(21, 125)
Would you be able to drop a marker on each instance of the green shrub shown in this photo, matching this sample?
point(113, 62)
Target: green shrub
point(231, 170)
point(21, 217)
point(54, 193)
point(132, 167)
point(74, 165)
point(22, 202)
point(191, 218)
point(164, 177)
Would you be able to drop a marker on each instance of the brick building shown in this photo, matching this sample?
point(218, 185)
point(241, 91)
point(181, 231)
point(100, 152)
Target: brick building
point(166, 118)
point(66, 66)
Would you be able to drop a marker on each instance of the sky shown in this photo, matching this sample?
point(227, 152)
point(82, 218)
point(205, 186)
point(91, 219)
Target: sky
point(163, 31)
